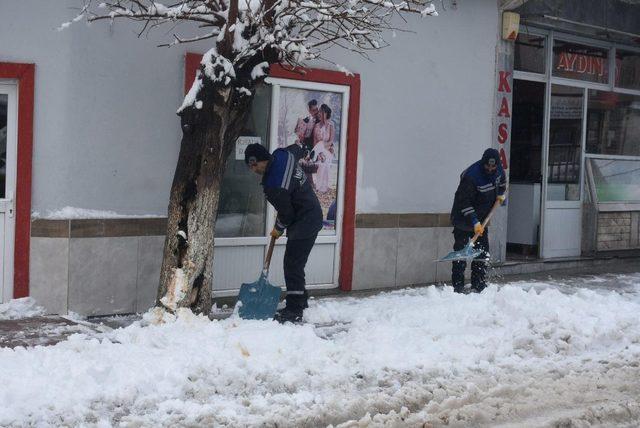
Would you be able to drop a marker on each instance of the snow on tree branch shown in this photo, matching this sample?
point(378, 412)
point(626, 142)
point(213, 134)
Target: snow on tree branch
point(246, 33)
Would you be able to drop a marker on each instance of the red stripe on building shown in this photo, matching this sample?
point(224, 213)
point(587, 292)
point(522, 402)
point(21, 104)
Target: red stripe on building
point(25, 75)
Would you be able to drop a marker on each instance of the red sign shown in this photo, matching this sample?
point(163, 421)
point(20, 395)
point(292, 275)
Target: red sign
point(504, 88)
point(582, 64)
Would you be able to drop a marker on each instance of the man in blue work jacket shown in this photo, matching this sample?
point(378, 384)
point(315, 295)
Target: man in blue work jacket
point(287, 188)
point(481, 184)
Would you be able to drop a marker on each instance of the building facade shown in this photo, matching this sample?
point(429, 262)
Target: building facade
point(91, 141)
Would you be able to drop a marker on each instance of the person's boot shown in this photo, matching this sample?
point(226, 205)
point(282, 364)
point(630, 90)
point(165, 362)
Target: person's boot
point(293, 308)
point(478, 273)
point(457, 276)
point(287, 314)
point(477, 288)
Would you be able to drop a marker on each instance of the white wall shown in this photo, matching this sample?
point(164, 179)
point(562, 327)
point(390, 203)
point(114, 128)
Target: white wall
point(426, 109)
point(106, 134)
point(107, 137)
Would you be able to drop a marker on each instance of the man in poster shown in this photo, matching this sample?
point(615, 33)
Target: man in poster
point(286, 188)
point(304, 131)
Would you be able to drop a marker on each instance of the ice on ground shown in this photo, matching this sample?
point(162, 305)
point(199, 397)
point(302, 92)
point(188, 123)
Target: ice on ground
point(20, 308)
point(516, 355)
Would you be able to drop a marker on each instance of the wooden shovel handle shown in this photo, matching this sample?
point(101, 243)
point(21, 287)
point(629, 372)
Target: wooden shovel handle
point(267, 259)
point(495, 206)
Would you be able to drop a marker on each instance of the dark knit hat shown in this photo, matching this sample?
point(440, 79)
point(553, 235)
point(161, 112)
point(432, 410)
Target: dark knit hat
point(256, 152)
point(491, 157)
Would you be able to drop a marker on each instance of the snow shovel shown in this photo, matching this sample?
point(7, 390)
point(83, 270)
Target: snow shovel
point(468, 252)
point(259, 300)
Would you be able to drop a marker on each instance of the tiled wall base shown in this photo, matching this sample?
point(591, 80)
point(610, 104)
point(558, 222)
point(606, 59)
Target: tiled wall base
point(398, 257)
point(95, 276)
point(395, 257)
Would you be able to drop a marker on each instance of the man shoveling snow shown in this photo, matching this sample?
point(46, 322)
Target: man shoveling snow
point(288, 190)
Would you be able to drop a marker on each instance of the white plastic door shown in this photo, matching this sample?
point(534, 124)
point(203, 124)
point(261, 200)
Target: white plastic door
point(8, 165)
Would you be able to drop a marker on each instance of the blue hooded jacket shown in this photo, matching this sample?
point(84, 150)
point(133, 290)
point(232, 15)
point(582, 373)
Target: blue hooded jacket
point(288, 190)
point(477, 191)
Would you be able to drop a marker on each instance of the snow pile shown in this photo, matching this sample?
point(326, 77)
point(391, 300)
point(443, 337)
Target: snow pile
point(402, 358)
point(20, 308)
point(70, 213)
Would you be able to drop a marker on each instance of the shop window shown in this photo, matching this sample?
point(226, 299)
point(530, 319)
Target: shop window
point(565, 131)
point(616, 180)
point(580, 62)
point(613, 124)
point(526, 134)
point(627, 69)
point(529, 53)
point(242, 210)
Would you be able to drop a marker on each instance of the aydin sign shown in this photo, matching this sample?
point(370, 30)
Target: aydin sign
point(582, 64)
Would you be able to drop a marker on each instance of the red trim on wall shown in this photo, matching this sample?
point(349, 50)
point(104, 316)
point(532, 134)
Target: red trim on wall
point(345, 278)
point(191, 64)
point(25, 74)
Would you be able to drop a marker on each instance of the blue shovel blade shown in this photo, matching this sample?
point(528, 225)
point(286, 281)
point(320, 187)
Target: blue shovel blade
point(466, 253)
point(259, 300)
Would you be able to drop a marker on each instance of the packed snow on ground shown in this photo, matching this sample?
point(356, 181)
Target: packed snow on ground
point(20, 308)
point(72, 213)
point(519, 354)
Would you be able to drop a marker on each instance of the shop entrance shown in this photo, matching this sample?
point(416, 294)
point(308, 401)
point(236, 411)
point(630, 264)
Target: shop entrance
point(525, 178)
point(573, 99)
point(8, 164)
point(558, 220)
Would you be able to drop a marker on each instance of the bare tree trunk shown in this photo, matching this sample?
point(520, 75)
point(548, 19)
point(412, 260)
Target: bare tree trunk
point(209, 135)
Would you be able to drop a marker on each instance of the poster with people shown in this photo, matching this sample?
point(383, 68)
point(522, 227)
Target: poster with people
point(309, 124)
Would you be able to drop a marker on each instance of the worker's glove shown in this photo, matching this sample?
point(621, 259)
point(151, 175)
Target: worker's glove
point(478, 228)
point(501, 198)
point(275, 233)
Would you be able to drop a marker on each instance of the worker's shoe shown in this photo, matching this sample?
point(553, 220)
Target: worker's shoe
point(288, 315)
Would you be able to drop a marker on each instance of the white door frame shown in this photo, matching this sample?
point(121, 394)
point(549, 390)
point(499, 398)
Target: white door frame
point(336, 238)
point(7, 204)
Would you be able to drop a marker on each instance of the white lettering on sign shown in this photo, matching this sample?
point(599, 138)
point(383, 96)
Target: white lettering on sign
point(242, 143)
point(566, 107)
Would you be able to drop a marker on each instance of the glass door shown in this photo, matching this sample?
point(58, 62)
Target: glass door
point(284, 114)
point(313, 116)
point(563, 172)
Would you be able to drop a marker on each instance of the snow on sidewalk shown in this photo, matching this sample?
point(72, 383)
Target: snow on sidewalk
point(20, 308)
point(22, 324)
point(523, 354)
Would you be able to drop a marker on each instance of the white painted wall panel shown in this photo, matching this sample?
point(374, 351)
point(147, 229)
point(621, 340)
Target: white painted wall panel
point(107, 136)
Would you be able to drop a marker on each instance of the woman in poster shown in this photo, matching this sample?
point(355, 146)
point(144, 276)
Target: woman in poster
point(323, 135)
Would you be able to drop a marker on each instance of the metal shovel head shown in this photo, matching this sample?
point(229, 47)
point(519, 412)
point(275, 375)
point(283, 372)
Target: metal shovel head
point(468, 252)
point(258, 300)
